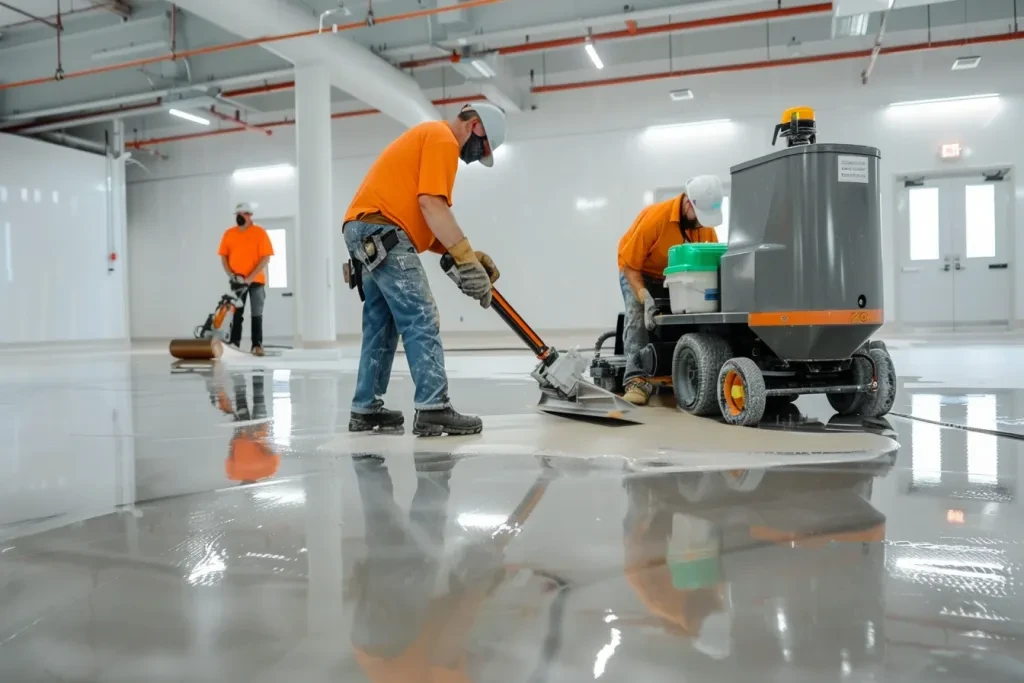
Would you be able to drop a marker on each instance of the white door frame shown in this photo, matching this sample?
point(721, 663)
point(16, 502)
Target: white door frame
point(896, 183)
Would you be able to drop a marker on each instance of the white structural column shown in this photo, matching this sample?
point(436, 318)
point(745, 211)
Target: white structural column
point(316, 317)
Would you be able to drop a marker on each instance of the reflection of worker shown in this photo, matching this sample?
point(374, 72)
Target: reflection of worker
point(403, 209)
point(643, 257)
point(673, 563)
point(250, 454)
point(402, 632)
point(245, 251)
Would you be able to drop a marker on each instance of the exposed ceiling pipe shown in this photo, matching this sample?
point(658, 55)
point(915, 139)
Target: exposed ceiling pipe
point(102, 117)
point(574, 26)
point(142, 144)
point(634, 31)
point(776, 63)
point(12, 119)
point(357, 82)
point(73, 141)
point(31, 17)
point(66, 13)
point(237, 120)
point(875, 50)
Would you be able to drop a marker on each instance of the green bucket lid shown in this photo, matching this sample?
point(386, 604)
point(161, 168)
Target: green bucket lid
point(701, 573)
point(695, 258)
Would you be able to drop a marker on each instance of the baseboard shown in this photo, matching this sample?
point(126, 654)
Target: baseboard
point(91, 345)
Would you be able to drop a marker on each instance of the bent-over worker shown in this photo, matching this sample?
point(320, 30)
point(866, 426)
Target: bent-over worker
point(245, 251)
point(643, 257)
point(402, 209)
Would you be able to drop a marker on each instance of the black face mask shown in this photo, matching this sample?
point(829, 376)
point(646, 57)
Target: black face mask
point(240, 219)
point(474, 149)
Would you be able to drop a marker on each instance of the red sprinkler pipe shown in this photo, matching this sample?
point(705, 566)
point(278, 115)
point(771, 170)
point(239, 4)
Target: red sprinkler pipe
point(262, 40)
point(776, 63)
point(237, 119)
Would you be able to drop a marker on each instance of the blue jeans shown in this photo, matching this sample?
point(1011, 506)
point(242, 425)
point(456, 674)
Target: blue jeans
point(634, 334)
point(398, 302)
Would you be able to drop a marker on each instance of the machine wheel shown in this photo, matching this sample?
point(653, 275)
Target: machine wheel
point(880, 402)
point(741, 392)
point(695, 364)
point(852, 404)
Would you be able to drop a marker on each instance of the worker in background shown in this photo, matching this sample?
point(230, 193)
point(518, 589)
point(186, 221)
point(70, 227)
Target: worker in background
point(643, 257)
point(245, 251)
point(402, 209)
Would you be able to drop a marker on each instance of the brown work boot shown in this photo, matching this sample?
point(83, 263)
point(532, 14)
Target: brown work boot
point(638, 392)
point(258, 351)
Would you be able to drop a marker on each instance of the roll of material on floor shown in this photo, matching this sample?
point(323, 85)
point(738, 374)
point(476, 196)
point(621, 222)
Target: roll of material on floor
point(196, 349)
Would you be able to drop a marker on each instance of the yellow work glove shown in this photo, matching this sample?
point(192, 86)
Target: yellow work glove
point(488, 263)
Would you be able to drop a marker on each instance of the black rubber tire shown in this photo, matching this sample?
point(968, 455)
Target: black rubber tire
point(879, 403)
point(852, 404)
point(754, 399)
point(695, 364)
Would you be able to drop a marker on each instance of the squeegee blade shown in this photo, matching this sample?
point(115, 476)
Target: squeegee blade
point(590, 402)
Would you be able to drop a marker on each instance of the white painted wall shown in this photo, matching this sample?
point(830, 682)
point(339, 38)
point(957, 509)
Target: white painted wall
point(558, 261)
point(57, 230)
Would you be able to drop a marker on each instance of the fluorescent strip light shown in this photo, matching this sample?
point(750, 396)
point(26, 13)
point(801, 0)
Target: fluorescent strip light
point(941, 100)
point(263, 173)
point(189, 117)
point(484, 68)
point(677, 130)
point(681, 95)
point(964, 63)
point(592, 51)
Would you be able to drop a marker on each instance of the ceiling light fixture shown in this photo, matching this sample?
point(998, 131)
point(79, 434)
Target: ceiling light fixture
point(944, 100)
point(677, 130)
point(258, 174)
point(189, 117)
point(964, 63)
point(681, 95)
point(484, 68)
point(592, 53)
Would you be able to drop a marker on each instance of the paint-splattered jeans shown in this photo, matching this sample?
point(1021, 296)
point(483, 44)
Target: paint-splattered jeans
point(634, 334)
point(398, 302)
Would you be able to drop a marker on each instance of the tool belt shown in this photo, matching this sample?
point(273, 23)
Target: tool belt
point(376, 246)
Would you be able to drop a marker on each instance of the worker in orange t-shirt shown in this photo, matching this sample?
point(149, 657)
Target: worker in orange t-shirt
point(402, 209)
point(643, 257)
point(245, 251)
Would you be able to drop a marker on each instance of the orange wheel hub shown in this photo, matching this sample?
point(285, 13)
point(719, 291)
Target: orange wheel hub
point(734, 392)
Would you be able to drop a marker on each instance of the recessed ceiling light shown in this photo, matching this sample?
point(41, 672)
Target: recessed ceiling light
point(681, 95)
point(189, 117)
point(964, 63)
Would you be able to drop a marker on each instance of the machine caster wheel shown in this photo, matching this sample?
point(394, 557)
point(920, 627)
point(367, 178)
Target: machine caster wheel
point(741, 392)
point(695, 364)
point(880, 403)
point(852, 404)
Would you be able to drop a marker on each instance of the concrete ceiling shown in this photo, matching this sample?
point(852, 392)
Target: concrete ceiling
point(99, 36)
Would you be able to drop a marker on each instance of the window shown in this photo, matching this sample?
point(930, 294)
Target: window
point(981, 221)
point(723, 229)
point(277, 271)
point(924, 224)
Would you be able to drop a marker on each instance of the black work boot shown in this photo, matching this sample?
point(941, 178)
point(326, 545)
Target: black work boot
point(445, 421)
point(257, 335)
point(383, 420)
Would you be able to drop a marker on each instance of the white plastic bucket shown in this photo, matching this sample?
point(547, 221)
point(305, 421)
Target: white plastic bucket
point(693, 292)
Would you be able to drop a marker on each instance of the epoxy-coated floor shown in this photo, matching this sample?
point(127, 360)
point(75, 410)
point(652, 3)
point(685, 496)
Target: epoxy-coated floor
point(187, 526)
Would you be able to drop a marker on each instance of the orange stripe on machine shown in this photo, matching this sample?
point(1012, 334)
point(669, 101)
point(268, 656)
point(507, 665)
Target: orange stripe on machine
point(855, 316)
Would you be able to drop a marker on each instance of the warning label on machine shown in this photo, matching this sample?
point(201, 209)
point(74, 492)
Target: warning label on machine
point(853, 169)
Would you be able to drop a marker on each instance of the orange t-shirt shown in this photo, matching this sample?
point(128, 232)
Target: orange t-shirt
point(244, 249)
point(422, 161)
point(656, 230)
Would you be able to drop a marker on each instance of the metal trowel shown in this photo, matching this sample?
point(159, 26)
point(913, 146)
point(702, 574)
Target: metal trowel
point(560, 375)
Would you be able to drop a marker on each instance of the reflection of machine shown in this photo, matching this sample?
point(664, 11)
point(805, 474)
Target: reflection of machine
point(800, 290)
point(799, 567)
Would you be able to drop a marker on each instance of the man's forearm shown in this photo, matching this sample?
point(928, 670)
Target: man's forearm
point(227, 268)
point(441, 221)
point(635, 279)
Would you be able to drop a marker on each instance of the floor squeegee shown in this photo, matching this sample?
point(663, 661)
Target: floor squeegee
point(560, 374)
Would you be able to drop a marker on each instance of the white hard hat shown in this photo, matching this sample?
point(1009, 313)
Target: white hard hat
point(493, 120)
point(706, 195)
point(244, 207)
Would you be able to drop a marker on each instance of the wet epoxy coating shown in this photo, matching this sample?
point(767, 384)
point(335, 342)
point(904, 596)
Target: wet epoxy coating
point(189, 526)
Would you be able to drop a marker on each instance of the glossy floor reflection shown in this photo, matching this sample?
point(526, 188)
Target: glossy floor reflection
point(160, 526)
